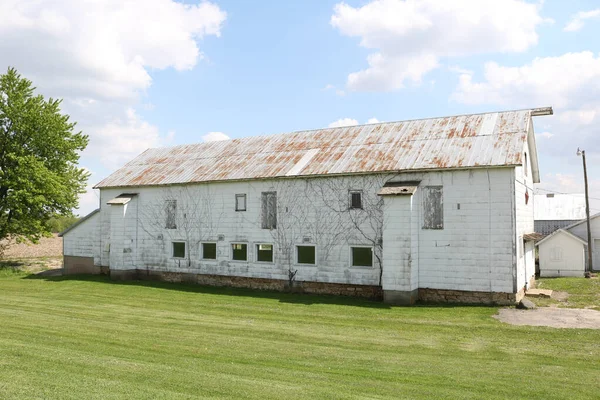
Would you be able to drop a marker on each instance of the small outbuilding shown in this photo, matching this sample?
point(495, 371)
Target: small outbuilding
point(560, 249)
point(562, 254)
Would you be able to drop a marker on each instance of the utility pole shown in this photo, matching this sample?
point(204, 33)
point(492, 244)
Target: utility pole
point(587, 213)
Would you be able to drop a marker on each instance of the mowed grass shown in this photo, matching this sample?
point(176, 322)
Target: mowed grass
point(583, 293)
point(90, 338)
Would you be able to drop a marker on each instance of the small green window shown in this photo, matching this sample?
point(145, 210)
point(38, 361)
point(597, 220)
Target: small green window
point(179, 249)
point(362, 257)
point(264, 252)
point(306, 254)
point(209, 251)
point(239, 252)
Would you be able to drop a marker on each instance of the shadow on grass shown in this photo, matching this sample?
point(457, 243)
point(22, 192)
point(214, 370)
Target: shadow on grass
point(283, 297)
point(12, 267)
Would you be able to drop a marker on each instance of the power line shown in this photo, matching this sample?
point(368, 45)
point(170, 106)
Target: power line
point(555, 192)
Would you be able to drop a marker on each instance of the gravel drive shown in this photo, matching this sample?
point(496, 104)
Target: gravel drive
point(552, 317)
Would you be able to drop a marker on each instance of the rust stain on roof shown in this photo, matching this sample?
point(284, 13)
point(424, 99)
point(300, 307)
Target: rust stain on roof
point(492, 139)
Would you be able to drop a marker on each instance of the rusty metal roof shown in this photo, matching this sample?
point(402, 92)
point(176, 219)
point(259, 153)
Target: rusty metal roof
point(477, 140)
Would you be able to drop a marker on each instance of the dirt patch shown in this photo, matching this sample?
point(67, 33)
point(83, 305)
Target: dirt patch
point(552, 317)
point(47, 247)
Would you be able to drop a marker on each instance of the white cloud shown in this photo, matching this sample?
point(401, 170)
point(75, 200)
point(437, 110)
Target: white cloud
point(339, 92)
point(577, 21)
point(545, 135)
point(102, 49)
point(411, 37)
point(118, 141)
point(98, 57)
point(350, 122)
point(343, 122)
point(215, 137)
point(560, 81)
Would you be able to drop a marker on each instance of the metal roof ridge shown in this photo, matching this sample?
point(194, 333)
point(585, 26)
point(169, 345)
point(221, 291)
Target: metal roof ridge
point(349, 126)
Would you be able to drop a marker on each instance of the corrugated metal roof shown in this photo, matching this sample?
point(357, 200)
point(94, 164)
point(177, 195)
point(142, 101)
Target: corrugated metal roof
point(477, 140)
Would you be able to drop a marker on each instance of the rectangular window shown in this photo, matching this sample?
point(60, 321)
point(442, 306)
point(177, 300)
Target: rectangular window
point(433, 207)
point(239, 252)
point(209, 251)
point(356, 199)
point(305, 255)
point(362, 256)
point(264, 252)
point(240, 202)
point(171, 211)
point(178, 249)
point(269, 210)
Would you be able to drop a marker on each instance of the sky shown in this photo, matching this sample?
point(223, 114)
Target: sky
point(146, 73)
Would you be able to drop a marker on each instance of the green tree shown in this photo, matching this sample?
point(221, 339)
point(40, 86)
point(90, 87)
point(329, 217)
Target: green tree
point(39, 151)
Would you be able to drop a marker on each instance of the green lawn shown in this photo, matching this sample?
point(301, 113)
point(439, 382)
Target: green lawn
point(582, 292)
point(90, 338)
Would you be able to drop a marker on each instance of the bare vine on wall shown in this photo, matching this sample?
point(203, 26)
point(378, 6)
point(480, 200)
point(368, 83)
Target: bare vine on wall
point(197, 214)
point(317, 211)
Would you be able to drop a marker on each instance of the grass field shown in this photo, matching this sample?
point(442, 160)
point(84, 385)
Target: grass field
point(582, 292)
point(89, 338)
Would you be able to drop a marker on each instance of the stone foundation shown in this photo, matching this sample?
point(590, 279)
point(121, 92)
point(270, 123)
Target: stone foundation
point(424, 295)
point(467, 297)
point(338, 289)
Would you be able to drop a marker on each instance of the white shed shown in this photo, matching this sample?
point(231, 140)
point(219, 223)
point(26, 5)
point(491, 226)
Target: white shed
point(562, 254)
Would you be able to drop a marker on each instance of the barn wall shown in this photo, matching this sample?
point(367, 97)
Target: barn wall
point(81, 246)
point(561, 255)
point(473, 251)
point(524, 208)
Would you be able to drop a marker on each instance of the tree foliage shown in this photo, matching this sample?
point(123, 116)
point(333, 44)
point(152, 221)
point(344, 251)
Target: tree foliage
point(59, 223)
point(39, 151)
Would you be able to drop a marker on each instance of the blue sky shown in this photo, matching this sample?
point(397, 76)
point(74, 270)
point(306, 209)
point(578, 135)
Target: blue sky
point(160, 72)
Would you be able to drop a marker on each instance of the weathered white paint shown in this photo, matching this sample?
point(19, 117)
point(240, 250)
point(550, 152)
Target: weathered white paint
point(562, 254)
point(83, 240)
point(559, 207)
point(484, 215)
point(524, 210)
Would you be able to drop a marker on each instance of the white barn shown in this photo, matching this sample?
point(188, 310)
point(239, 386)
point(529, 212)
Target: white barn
point(436, 209)
point(553, 211)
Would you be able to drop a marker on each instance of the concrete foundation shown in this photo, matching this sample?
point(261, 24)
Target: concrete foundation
point(400, 298)
point(467, 297)
point(74, 265)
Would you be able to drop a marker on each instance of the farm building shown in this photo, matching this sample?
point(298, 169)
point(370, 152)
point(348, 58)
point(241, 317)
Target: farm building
point(564, 253)
point(436, 209)
point(553, 211)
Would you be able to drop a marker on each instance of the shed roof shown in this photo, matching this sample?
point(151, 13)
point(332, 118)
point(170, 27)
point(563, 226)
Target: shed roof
point(562, 232)
point(574, 224)
point(79, 222)
point(463, 141)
